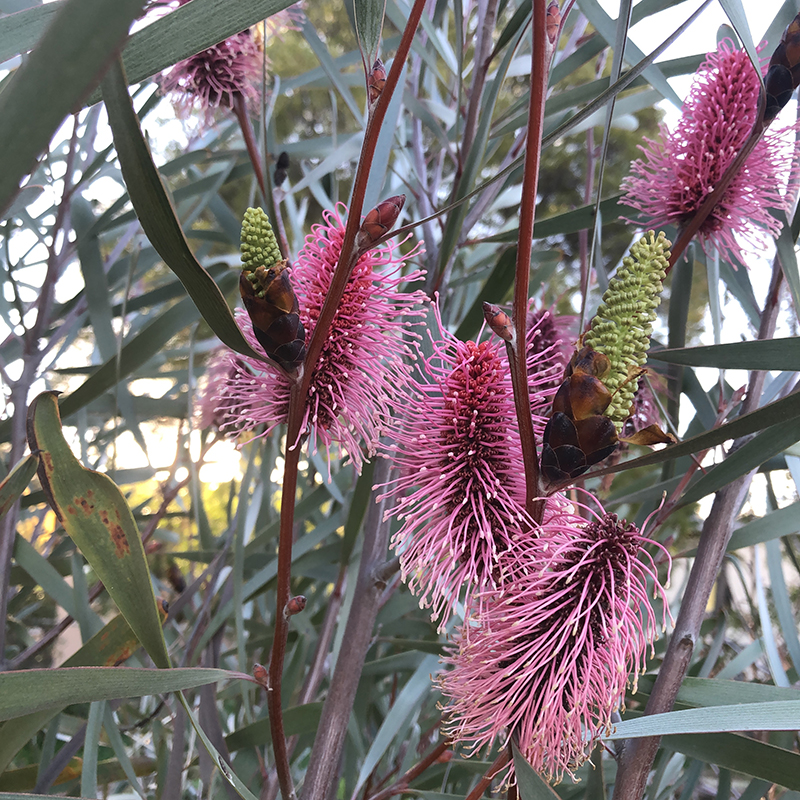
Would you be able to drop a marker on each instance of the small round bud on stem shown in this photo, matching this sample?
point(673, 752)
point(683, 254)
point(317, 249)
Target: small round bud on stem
point(294, 606)
point(376, 80)
point(553, 22)
point(261, 675)
point(499, 321)
point(378, 223)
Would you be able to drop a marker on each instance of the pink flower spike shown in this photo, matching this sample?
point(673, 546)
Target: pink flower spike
point(460, 492)
point(680, 169)
point(362, 367)
point(214, 77)
point(548, 658)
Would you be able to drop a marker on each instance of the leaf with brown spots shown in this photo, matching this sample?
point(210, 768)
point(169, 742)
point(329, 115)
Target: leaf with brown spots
point(95, 515)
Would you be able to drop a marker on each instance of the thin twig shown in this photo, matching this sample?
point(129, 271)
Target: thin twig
point(299, 397)
point(533, 151)
point(400, 786)
point(483, 784)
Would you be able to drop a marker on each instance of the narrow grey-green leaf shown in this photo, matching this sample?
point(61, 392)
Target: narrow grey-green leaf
point(750, 455)
point(781, 715)
point(369, 24)
point(742, 754)
point(777, 413)
point(735, 13)
point(607, 29)
point(158, 218)
point(531, 785)
point(396, 720)
point(19, 32)
point(68, 61)
point(762, 354)
point(778, 523)
point(32, 690)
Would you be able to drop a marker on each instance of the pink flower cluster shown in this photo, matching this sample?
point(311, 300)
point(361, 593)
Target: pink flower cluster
point(557, 614)
point(460, 492)
point(680, 169)
point(548, 658)
point(363, 365)
point(213, 78)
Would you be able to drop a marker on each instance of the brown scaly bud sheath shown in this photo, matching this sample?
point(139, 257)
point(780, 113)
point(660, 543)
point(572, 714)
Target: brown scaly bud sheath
point(267, 293)
point(376, 80)
point(783, 75)
point(378, 222)
point(498, 321)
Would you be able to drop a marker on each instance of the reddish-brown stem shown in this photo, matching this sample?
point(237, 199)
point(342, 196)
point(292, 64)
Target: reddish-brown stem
point(346, 261)
point(300, 393)
point(288, 494)
point(402, 783)
point(519, 367)
point(248, 134)
point(483, 784)
point(638, 754)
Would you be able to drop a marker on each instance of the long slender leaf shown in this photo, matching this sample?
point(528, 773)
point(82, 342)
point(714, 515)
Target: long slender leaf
point(68, 61)
point(158, 217)
point(762, 354)
point(781, 715)
point(19, 32)
point(38, 689)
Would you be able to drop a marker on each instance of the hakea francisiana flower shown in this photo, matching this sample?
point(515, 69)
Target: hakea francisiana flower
point(213, 78)
point(362, 365)
point(594, 399)
point(622, 327)
point(680, 169)
point(460, 493)
point(548, 658)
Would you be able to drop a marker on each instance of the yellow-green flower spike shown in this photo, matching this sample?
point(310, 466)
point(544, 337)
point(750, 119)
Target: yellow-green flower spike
point(624, 322)
point(259, 246)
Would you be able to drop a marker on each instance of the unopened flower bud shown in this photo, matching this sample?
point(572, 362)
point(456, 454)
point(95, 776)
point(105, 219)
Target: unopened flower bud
point(261, 675)
point(378, 222)
point(376, 80)
point(498, 321)
point(281, 168)
point(267, 293)
point(294, 606)
point(553, 21)
point(624, 321)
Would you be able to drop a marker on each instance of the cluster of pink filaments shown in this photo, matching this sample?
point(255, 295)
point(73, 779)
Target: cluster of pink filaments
point(362, 366)
point(547, 659)
point(680, 169)
point(460, 492)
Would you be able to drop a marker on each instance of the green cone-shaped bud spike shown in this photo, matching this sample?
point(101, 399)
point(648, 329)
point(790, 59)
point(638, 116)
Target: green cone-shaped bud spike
point(621, 330)
point(259, 246)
